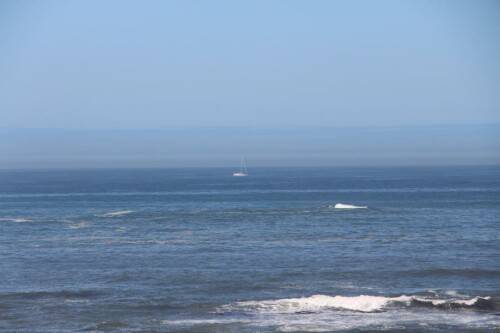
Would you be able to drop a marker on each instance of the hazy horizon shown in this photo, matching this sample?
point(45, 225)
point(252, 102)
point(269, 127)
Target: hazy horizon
point(222, 147)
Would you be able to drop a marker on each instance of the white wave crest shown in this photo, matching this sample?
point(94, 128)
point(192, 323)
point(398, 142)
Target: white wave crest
point(318, 303)
point(436, 302)
point(344, 206)
point(119, 213)
point(321, 303)
point(17, 220)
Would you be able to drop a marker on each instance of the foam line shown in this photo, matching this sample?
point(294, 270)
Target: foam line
point(17, 220)
point(116, 214)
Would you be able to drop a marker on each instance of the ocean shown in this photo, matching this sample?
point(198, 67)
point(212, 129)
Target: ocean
point(362, 249)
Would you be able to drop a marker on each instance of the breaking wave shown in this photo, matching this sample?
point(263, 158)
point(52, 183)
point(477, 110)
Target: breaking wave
point(322, 313)
point(363, 303)
point(17, 220)
point(344, 206)
point(118, 213)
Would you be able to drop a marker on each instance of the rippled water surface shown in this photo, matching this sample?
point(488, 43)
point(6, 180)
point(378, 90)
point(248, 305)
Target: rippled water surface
point(282, 250)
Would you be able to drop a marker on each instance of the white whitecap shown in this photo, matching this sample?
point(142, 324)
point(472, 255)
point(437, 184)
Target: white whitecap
point(17, 220)
point(322, 303)
point(468, 302)
point(118, 213)
point(344, 206)
point(317, 303)
point(451, 292)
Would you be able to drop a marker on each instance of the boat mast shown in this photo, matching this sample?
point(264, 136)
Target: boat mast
point(243, 167)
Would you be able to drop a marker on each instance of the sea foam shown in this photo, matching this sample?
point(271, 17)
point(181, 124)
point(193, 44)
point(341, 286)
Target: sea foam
point(317, 303)
point(17, 220)
point(362, 303)
point(119, 213)
point(344, 206)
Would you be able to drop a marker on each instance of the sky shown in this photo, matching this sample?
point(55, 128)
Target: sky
point(114, 66)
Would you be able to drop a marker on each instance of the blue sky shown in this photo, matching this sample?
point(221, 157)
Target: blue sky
point(162, 64)
point(171, 65)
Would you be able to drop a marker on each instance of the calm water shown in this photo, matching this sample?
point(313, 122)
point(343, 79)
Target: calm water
point(196, 250)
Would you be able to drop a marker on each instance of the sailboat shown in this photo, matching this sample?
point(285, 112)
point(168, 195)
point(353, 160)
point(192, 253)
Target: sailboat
point(243, 170)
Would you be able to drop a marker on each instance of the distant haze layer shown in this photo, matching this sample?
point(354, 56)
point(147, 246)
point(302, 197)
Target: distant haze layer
point(222, 147)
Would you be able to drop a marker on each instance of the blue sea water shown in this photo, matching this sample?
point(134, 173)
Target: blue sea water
point(196, 250)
